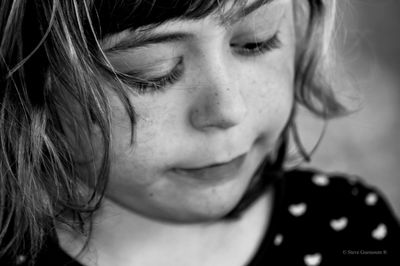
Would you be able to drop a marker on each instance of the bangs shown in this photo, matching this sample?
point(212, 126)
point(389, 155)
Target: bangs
point(113, 16)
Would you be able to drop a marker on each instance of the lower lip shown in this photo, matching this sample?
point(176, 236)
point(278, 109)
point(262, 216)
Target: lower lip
point(214, 173)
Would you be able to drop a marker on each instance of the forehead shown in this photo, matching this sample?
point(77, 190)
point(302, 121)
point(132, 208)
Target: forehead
point(265, 12)
point(113, 16)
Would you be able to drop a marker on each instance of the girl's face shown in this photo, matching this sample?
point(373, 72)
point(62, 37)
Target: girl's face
point(214, 100)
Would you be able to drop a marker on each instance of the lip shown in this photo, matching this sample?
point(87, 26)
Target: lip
point(214, 172)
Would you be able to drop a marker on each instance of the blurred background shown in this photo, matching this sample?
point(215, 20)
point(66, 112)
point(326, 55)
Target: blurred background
point(366, 143)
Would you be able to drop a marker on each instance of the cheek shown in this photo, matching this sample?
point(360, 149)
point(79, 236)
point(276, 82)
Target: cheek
point(271, 91)
point(272, 109)
point(154, 141)
point(281, 94)
point(273, 79)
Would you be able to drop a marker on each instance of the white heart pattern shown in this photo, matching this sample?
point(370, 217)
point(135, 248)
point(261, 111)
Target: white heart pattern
point(371, 199)
point(278, 239)
point(379, 232)
point(339, 224)
point(320, 180)
point(298, 209)
point(312, 259)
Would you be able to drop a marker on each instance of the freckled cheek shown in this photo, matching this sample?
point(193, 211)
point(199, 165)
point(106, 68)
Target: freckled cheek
point(142, 166)
point(270, 99)
point(155, 139)
point(159, 129)
point(271, 92)
point(156, 127)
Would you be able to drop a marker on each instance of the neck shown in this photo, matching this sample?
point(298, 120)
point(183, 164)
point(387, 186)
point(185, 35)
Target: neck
point(120, 235)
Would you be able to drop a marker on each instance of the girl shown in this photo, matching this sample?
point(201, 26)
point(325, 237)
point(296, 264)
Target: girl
point(146, 132)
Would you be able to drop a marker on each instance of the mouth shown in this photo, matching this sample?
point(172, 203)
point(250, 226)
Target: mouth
point(214, 172)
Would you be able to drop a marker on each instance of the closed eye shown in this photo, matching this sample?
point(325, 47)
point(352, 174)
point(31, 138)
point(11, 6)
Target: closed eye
point(153, 84)
point(257, 47)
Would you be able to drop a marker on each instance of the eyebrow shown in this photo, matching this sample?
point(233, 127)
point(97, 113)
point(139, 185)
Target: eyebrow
point(247, 10)
point(140, 39)
point(146, 37)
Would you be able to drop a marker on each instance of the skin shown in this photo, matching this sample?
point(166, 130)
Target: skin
point(206, 117)
point(224, 105)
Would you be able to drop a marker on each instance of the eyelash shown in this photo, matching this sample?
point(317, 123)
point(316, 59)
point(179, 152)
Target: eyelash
point(258, 48)
point(151, 85)
point(158, 84)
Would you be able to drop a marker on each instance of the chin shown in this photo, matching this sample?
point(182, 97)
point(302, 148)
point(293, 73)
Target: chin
point(208, 210)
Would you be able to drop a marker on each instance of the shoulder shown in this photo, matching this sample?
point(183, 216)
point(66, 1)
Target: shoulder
point(336, 194)
point(335, 216)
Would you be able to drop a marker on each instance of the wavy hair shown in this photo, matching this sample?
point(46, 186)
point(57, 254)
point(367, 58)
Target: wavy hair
point(50, 57)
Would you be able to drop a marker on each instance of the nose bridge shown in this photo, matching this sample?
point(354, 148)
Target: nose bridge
point(221, 103)
point(219, 74)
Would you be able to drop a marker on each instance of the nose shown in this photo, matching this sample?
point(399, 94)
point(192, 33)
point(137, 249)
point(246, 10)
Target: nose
point(220, 103)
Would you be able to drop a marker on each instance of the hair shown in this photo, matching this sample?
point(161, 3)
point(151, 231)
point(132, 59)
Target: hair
point(52, 76)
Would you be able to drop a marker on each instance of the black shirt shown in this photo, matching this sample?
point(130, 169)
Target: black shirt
point(317, 219)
